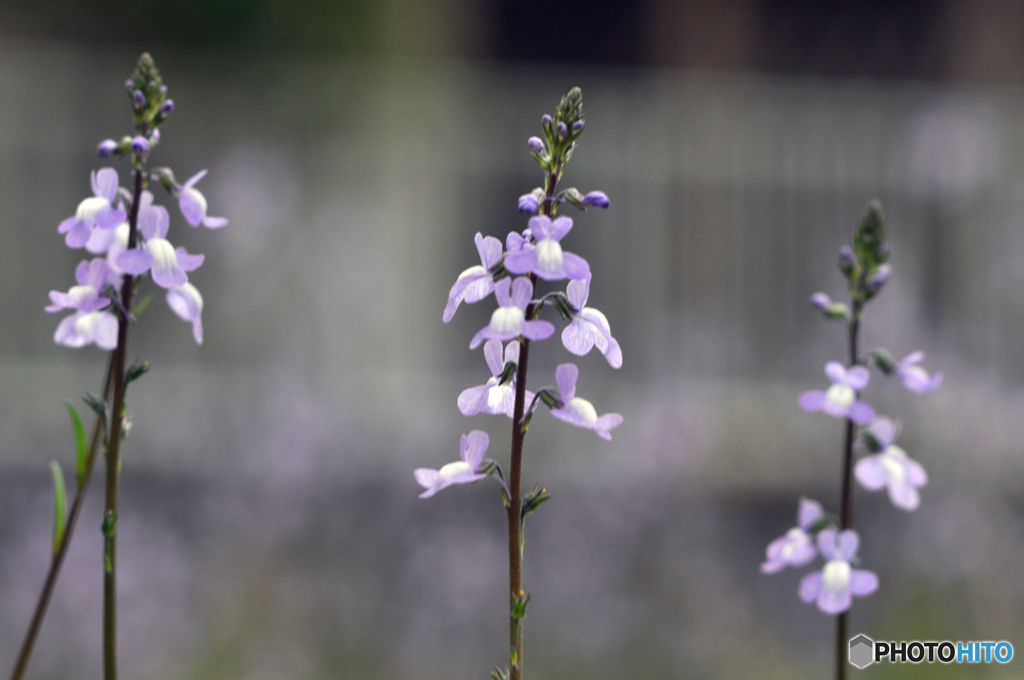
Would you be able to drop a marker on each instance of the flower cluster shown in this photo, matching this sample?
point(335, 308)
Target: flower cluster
point(130, 239)
point(882, 464)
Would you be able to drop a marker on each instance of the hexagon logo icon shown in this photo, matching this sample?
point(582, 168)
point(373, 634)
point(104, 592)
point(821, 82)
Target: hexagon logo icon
point(862, 651)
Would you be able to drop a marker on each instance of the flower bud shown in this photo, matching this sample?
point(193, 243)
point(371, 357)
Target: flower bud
point(528, 203)
point(163, 90)
point(821, 301)
point(598, 199)
point(129, 84)
point(545, 119)
point(138, 99)
point(166, 108)
point(140, 146)
point(106, 148)
point(877, 279)
point(847, 261)
point(535, 144)
point(154, 137)
point(577, 126)
point(561, 130)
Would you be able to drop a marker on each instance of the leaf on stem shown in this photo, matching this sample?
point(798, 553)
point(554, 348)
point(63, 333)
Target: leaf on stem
point(59, 521)
point(80, 449)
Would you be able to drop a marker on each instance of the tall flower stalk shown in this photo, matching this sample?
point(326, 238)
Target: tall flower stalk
point(532, 256)
point(881, 463)
point(127, 233)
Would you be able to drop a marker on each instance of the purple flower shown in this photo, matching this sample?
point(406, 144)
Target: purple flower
point(841, 398)
point(598, 199)
point(85, 297)
point(545, 258)
point(475, 283)
point(561, 130)
point(97, 211)
point(515, 241)
point(891, 468)
point(464, 471)
point(836, 582)
point(528, 203)
point(106, 147)
point(193, 204)
point(157, 254)
point(140, 146)
point(589, 326)
point(83, 328)
point(491, 397)
point(821, 301)
point(187, 303)
point(166, 108)
point(535, 144)
point(915, 378)
point(796, 548)
point(578, 411)
point(508, 321)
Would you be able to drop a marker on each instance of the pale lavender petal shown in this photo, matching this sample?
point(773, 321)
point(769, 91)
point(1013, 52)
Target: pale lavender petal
point(193, 205)
point(100, 240)
point(848, 544)
point(479, 337)
point(566, 376)
point(66, 334)
point(560, 227)
point(473, 399)
point(514, 242)
point(521, 261)
point(522, 289)
point(606, 423)
point(489, 249)
point(904, 496)
point(66, 226)
point(479, 289)
point(537, 330)
point(135, 261)
point(574, 266)
point(187, 303)
point(572, 416)
point(861, 413)
point(915, 473)
point(458, 291)
point(827, 543)
point(802, 554)
point(96, 275)
point(833, 601)
point(884, 430)
point(578, 337)
point(109, 217)
point(857, 377)
point(188, 262)
point(193, 179)
point(214, 222)
point(812, 400)
point(166, 271)
point(871, 473)
point(492, 355)
point(501, 292)
point(863, 582)
point(512, 352)
point(808, 513)
point(578, 291)
point(540, 227)
point(82, 273)
point(477, 446)
point(427, 478)
point(912, 358)
point(104, 184)
point(78, 234)
point(105, 330)
point(810, 586)
point(835, 372)
point(613, 353)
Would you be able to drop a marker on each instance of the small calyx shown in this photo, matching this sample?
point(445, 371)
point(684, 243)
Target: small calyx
point(882, 360)
point(533, 500)
point(865, 265)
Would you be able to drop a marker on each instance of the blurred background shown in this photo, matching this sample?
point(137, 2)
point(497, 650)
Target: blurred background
point(270, 525)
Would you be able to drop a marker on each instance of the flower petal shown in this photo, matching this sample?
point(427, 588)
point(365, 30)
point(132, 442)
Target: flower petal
point(477, 443)
point(808, 513)
point(473, 399)
point(104, 184)
point(538, 330)
point(135, 261)
point(871, 473)
point(574, 266)
point(857, 377)
point(849, 541)
point(810, 586)
point(578, 337)
point(835, 372)
point(861, 413)
point(812, 400)
point(566, 376)
point(863, 582)
point(493, 355)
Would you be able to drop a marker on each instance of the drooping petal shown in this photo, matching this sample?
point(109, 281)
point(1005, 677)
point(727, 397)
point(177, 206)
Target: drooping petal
point(427, 478)
point(167, 273)
point(187, 303)
point(606, 423)
point(538, 329)
point(833, 601)
point(870, 472)
point(188, 262)
point(193, 205)
point(904, 496)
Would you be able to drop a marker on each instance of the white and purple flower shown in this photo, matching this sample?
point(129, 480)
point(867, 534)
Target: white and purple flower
point(915, 378)
point(841, 398)
point(475, 283)
point(891, 468)
point(589, 326)
point(492, 397)
point(464, 471)
point(95, 212)
point(509, 321)
point(546, 258)
point(187, 303)
point(168, 264)
point(578, 411)
point(91, 322)
point(193, 204)
point(833, 586)
point(796, 548)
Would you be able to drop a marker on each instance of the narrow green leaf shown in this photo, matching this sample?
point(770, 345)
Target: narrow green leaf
point(141, 305)
point(58, 506)
point(80, 451)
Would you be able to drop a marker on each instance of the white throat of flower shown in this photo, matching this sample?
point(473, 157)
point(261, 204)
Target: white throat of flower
point(892, 458)
point(507, 320)
point(451, 469)
point(836, 575)
point(88, 208)
point(840, 397)
point(549, 255)
point(80, 293)
point(584, 409)
point(796, 538)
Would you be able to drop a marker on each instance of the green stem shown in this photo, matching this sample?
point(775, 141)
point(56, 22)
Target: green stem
point(43, 603)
